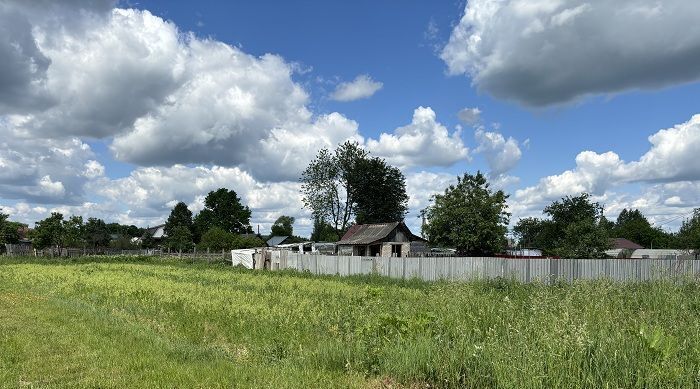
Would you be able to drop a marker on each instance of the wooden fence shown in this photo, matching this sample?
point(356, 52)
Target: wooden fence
point(471, 268)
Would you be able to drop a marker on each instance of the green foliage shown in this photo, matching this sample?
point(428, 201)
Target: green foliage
point(689, 233)
point(327, 187)
point(469, 216)
point(49, 232)
point(323, 232)
point(247, 242)
point(74, 232)
point(130, 231)
point(380, 192)
point(347, 183)
point(633, 225)
point(96, 233)
point(180, 216)
point(217, 239)
point(283, 226)
point(223, 209)
point(9, 231)
point(181, 239)
point(148, 241)
point(576, 228)
point(162, 323)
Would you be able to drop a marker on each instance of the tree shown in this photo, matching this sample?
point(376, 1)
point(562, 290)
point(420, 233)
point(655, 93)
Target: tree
point(223, 209)
point(8, 230)
point(575, 228)
point(147, 241)
point(217, 239)
point(379, 192)
point(323, 232)
point(283, 226)
point(469, 216)
point(181, 239)
point(180, 215)
point(96, 233)
point(247, 242)
point(74, 232)
point(327, 187)
point(689, 233)
point(633, 225)
point(49, 232)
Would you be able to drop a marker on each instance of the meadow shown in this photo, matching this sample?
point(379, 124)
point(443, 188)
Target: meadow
point(137, 322)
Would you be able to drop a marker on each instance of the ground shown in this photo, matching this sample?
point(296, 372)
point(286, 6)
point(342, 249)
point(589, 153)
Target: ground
point(163, 323)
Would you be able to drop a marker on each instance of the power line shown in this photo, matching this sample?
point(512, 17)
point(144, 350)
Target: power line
point(674, 218)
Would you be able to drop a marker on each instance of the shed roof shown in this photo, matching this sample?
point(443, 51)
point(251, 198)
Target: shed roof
point(370, 233)
point(276, 240)
point(622, 243)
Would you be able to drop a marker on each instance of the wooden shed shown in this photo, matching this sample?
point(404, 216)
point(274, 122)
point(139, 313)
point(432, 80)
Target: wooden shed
point(382, 239)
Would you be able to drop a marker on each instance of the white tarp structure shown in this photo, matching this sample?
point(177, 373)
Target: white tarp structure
point(242, 257)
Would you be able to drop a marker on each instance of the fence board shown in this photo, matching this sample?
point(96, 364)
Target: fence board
point(472, 268)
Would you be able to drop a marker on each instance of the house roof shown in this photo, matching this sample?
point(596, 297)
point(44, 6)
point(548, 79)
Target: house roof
point(154, 231)
point(621, 243)
point(657, 253)
point(370, 233)
point(276, 240)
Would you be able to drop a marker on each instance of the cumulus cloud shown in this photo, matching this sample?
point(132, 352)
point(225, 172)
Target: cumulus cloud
point(150, 192)
point(362, 87)
point(41, 170)
point(424, 142)
point(470, 116)
point(543, 52)
point(670, 160)
point(501, 154)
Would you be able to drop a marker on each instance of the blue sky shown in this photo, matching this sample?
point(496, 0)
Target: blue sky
point(118, 124)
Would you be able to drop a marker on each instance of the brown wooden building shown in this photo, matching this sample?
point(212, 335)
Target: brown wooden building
point(382, 239)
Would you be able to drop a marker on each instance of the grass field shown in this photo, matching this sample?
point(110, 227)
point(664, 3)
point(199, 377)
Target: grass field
point(140, 323)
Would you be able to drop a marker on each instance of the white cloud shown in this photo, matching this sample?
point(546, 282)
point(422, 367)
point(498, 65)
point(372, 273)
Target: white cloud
point(93, 169)
point(501, 154)
point(424, 142)
point(543, 52)
point(362, 87)
point(470, 116)
point(41, 170)
point(671, 160)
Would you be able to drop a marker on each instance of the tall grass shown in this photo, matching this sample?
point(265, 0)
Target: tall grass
point(163, 323)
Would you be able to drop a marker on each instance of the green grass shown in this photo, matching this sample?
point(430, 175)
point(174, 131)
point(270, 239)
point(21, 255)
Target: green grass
point(164, 323)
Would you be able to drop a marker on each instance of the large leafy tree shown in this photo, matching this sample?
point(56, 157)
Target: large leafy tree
point(575, 228)
point(96, 233)
point(223, 209)
point(180, 216)
point(380, 192)
point(348, 184)
point(9, 231)
point(283, 226)
point(180, 239)
point(49, 232)
point(217, 239)
point(74, 231)
point(327, 187)
point(633, 225)
point(689, 233)
point(468, 216)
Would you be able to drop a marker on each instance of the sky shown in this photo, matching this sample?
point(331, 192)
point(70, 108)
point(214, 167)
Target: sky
point(119, 110)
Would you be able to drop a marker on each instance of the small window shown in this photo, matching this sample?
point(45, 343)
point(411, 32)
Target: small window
point(396, 250)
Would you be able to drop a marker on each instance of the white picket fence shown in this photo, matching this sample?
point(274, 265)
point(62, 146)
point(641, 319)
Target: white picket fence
point(471, 268)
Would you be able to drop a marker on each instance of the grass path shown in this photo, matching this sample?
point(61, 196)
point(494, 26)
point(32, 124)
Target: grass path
point(170, 324)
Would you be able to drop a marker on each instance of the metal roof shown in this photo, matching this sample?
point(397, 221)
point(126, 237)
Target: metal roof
point(368, 233)
point(276, 240)
point(621, 243)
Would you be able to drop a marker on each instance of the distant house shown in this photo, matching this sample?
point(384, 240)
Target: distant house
point(622, 248)
point(157, 232)
point(382, 239)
